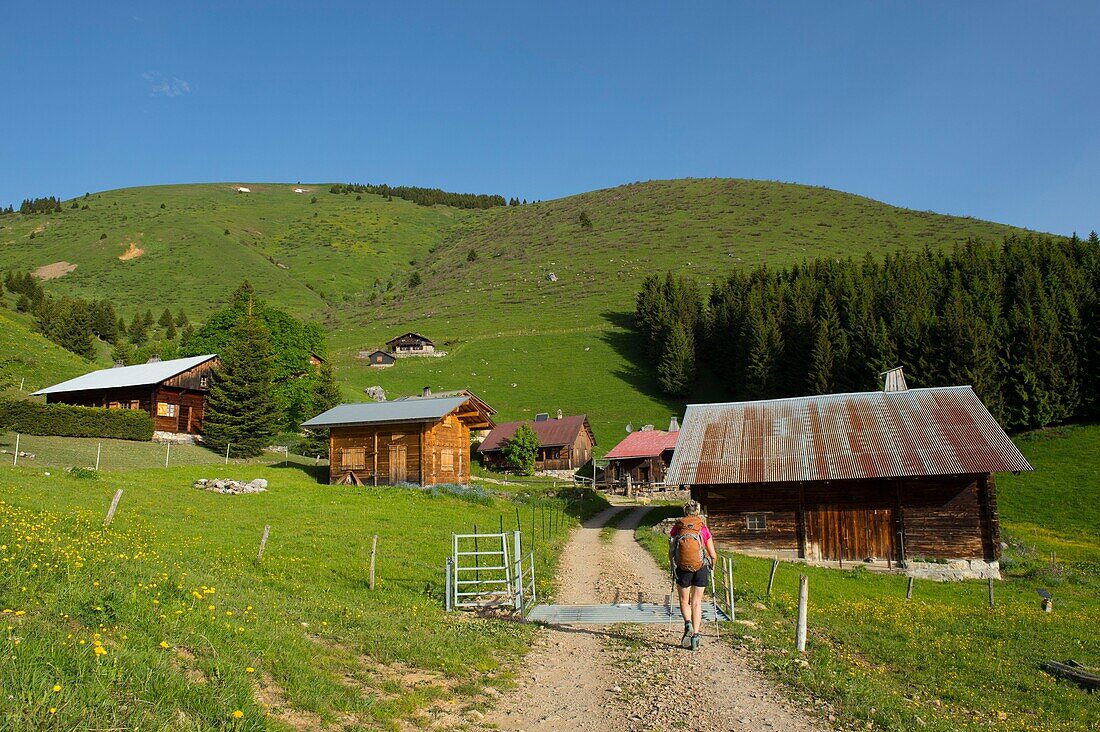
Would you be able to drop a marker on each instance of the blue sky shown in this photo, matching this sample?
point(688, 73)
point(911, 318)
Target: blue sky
point(983, 109)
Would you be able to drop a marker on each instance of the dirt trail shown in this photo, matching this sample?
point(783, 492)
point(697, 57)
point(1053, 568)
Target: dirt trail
point(633, 677)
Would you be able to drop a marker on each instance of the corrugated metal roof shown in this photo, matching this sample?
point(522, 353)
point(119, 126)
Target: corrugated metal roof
point(643, 443)
point(145, 374)
point(551, 432)
point(412, 410)
point(936, 431)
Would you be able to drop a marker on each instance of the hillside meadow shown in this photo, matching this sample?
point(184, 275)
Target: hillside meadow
point(945, 660)
point(167, 620)
point(486, 294)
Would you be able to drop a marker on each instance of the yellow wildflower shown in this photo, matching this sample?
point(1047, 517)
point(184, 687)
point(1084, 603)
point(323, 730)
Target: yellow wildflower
point(249, 669)
point(164, 644)
point(57, 687)
point(100, 651)
point(238, 714)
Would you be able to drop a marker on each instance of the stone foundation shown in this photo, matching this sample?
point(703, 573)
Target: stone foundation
point(954, 571)
point(176, 438)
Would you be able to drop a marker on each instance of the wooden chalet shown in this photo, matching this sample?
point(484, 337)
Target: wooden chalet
point(425, 440)
point(410, 344)
point(173, 392)
point(642, 458)
point(565, 443)
point(889, 476)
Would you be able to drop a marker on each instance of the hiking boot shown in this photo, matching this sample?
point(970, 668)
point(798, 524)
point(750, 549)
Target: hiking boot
point(685, 641)
point(695, 640)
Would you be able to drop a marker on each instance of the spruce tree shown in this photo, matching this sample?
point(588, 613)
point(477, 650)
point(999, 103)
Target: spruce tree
point(239, 410)
point(165, 319)
point(326, 395)
point(676, 368)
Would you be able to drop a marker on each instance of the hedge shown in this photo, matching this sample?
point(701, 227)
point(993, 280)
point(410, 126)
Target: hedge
point(65, 420)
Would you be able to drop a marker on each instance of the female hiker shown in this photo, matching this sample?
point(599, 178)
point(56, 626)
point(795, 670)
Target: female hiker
point(691, 555)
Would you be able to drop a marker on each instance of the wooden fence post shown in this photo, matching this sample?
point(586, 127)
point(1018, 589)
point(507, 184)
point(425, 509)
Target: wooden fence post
point(447, 584)
point(373, 553)
point(167, 454)
point(909, 590)
point(263, 542)
point(989, 581)
point(114, 506)
point(771, 577)
point(803, 600)
point(15, 460)
point(98, 452)
point(227, 452)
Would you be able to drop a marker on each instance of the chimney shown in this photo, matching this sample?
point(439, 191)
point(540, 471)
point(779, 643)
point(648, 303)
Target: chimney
point(427, 392)
point(674, 424)
point(894, 381)
point(155, 358)
point(559, 414)
point(119, 363)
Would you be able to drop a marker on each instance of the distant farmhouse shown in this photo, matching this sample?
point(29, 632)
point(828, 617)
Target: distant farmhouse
point(411, 344)
point(642, 459)
point(888, 476)
point(423, 440)
point(174, 392)
point(565, 443)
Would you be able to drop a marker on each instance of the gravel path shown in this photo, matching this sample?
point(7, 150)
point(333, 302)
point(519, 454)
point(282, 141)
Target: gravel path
point(634, 677)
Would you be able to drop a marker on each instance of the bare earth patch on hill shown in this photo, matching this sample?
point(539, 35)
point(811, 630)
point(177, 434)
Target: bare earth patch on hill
point(53, 271)
point(132, 252)
point(635, 677)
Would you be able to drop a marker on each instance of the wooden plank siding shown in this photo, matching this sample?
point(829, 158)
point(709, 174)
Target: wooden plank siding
point(942, 517)
point(427, 453)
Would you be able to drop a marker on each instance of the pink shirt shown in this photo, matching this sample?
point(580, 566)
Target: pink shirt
point(705, 533)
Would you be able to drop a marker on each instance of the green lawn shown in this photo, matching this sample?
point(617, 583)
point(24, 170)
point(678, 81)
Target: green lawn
point(946, 660)
point(173, 595)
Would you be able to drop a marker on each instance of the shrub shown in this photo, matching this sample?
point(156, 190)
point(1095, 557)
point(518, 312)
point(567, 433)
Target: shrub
point(66, 420)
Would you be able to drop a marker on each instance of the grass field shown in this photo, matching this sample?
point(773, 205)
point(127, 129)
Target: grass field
point(27, 357)
point(946, 660)
point(564, 344)
point(167, 620)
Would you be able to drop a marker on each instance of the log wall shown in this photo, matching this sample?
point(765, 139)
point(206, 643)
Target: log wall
point(433, 453)
point(941, 517)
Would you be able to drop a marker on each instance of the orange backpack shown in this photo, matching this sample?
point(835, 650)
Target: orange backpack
point(687, 548)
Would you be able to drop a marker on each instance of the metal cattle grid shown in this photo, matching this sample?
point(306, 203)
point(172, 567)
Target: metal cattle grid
point(487, 570)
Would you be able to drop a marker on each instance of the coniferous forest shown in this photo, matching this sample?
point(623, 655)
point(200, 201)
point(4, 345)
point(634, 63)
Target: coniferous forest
point(1019, 321)
point(423, 196)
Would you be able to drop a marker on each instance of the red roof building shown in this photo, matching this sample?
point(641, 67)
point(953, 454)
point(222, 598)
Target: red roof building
point(641, 459)
point(565, 443)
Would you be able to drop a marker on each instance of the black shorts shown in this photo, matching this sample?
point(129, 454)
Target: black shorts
point(686, 578)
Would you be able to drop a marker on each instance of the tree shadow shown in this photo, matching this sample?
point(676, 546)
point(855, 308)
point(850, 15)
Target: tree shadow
point(317, 472)
point(640, 373)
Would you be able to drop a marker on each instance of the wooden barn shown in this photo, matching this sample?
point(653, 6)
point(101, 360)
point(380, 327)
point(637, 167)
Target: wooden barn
point(642, 458)
point(410, 344)
point(380, 359)
point(887, 476)
point(173, 392)
point(565, 443)
point(424, 440)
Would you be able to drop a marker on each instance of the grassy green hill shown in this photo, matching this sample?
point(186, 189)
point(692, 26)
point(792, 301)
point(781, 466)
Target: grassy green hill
point(524, 342)
point(27, 357)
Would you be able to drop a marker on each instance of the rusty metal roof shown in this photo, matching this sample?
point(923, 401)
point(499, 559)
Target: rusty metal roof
point(918, 432)
point(551, 432)
point(643, 443)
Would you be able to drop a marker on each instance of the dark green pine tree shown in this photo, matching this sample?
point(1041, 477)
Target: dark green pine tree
point(138, 331)
point(676, 368)
point(181, 318)
point(326, 395)
point(765, 348)
point(170, 330)
point(240, 412)
point(165, 319)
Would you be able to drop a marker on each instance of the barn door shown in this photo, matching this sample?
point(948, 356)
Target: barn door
point(398, 469)
point(842, 533)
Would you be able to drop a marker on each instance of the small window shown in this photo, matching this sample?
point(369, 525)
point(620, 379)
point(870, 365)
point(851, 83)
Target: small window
point(203, 381)
point(114, 405)
point(447, 460)
point(165, 409)
point(135, 404)
point(756, 521)
point(378, 359)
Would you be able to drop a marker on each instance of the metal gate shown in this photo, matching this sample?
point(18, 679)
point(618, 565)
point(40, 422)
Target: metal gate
point(490, 570)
